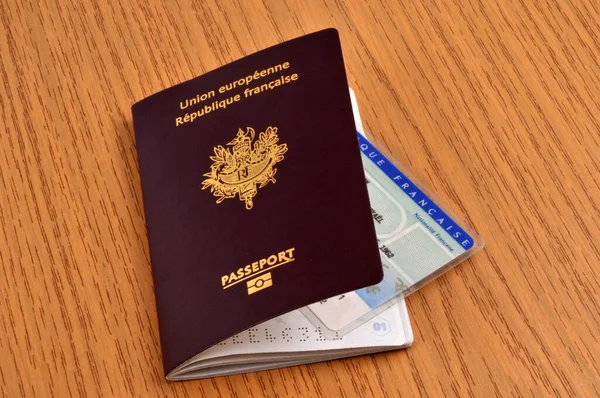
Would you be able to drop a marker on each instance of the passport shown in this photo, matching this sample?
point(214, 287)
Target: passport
point(254, 194)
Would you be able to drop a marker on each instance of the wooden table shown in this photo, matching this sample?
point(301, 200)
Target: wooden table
point(494, 105)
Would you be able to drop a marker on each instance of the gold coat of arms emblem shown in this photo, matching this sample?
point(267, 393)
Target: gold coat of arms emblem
point(244, 165)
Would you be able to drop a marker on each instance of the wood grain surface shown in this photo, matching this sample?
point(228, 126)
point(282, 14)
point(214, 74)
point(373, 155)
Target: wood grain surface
point(494, 105)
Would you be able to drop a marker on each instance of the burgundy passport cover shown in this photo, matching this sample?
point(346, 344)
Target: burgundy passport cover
point(254, 193)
